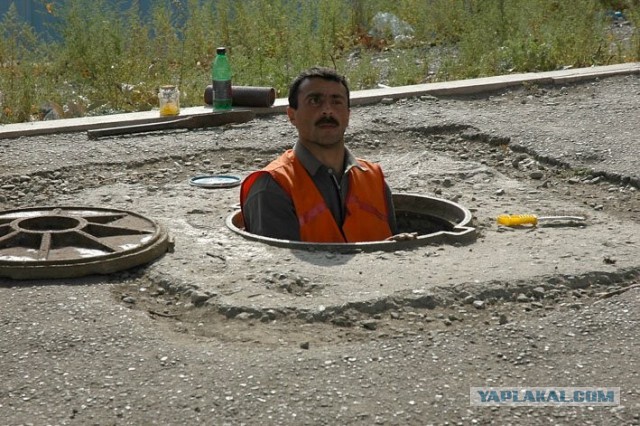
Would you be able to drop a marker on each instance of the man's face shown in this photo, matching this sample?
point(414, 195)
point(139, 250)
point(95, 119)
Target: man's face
point(323, 113)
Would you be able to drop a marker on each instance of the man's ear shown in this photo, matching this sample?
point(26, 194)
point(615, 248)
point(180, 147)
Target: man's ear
point(291, 113)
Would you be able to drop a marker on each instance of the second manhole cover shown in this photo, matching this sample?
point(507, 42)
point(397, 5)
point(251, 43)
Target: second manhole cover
point(65, 242)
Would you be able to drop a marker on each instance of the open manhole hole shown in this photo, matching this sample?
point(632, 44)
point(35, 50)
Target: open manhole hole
point(68, 242)
point(437, 221)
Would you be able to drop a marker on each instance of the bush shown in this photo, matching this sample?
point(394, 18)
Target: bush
point(109, 58)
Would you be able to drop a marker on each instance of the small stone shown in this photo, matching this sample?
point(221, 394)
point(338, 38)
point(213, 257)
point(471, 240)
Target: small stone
point(536, 175)
point(304, 345)
point(522, 298)
point(479, 304)
point(198, 297)
point(538, 292)
point(502, 320)
point(370, 325)
point(129, 299)
point(500, 192)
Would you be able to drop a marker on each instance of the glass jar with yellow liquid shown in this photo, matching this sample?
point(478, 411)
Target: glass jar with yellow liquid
point(169, 98)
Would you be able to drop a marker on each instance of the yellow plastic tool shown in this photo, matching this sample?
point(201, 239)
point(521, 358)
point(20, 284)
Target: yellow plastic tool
point(532, 219)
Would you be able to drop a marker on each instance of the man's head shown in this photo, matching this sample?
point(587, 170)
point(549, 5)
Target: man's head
point(319, 107)
point(315, 72)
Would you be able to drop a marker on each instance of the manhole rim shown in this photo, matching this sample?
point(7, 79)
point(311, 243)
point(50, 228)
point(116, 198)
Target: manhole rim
point(462, 233)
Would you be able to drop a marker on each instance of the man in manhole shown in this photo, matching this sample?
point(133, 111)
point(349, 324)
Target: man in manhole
point(318, 192)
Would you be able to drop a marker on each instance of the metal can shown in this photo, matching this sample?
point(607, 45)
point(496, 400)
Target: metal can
point(169, 98)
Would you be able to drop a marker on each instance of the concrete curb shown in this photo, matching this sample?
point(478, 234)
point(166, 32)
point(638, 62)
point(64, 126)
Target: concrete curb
point(363, 97)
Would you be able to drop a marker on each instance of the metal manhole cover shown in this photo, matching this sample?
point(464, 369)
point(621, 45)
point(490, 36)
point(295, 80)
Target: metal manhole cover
point(66, 242)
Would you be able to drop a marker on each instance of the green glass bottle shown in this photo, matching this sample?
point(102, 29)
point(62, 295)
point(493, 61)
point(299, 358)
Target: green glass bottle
point(221, 76)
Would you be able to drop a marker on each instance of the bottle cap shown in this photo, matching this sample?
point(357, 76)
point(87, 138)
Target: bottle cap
point(221, 50)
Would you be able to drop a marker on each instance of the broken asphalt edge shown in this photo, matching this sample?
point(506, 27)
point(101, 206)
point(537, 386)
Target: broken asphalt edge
point(440, 296)
point(362, 97)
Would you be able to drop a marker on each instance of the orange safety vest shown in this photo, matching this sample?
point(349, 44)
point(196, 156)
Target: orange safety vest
point(366, 206)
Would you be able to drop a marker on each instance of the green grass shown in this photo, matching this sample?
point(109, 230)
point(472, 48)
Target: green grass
point(108, 61)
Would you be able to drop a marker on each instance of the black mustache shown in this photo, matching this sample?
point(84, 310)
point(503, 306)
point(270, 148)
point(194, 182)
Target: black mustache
point(327, 120)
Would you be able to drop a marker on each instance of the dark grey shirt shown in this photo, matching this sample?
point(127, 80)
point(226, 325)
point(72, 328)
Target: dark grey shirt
point(269, 211)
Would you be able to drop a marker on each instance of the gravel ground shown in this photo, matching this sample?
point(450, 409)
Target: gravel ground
point(228, 331)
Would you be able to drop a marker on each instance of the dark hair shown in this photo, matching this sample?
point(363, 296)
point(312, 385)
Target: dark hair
point(315, 72)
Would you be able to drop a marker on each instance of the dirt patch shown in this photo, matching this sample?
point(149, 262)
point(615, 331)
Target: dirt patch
point(181, 313)
point(479, 169)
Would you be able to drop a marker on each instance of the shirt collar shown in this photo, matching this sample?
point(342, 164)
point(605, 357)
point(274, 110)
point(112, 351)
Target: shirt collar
point(312, 165)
